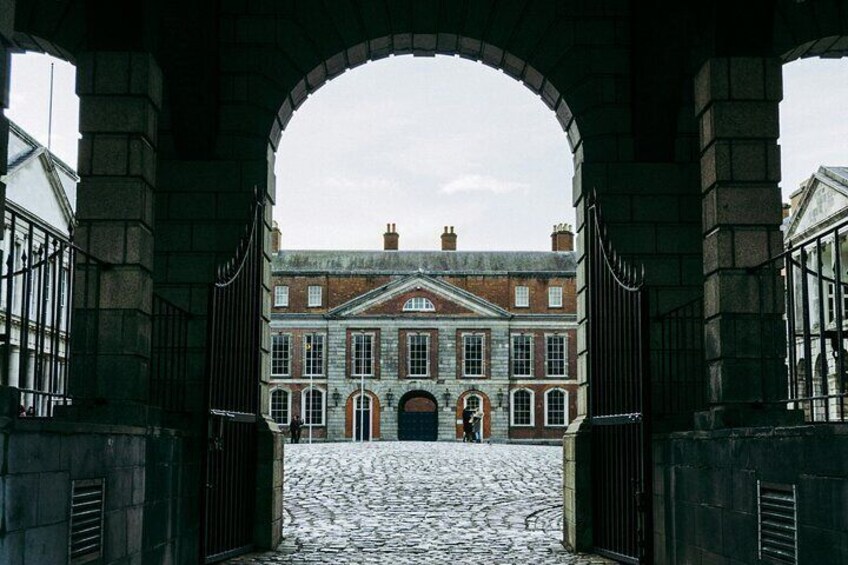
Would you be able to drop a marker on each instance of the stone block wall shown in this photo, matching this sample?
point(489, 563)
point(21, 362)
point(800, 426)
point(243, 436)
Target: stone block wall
point(148, 518)
point(705, 492)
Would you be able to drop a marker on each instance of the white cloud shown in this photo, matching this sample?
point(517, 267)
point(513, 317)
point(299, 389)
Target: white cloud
point(482, 183)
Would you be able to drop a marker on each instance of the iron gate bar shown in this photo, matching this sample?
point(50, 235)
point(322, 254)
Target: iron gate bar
point(234, 336)
point(619, 399)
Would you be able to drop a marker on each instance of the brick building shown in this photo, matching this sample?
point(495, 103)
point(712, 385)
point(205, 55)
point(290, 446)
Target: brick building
point(425, 334)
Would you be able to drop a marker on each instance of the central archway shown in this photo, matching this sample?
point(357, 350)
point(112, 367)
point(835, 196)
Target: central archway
point(418, 417)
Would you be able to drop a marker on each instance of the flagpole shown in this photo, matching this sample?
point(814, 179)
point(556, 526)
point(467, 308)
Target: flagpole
point(50, 112)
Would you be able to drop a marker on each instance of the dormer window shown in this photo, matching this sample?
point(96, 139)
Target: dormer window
point(419, 304)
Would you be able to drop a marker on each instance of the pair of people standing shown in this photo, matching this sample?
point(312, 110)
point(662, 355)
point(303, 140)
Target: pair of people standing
point(472, 425)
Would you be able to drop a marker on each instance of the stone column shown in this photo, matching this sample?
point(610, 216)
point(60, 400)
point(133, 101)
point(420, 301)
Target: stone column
point(120, 96)
point(736, 101)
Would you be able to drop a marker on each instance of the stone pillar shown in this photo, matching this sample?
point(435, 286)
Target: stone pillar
point(736, 101)
point(120, 96)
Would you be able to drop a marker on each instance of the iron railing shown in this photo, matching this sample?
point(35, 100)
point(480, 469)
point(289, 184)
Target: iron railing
point(816, 306)
point(41, 272)
point(679, 370)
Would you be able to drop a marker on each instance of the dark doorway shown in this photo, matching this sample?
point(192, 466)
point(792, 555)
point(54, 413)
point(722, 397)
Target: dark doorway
point(418, 417)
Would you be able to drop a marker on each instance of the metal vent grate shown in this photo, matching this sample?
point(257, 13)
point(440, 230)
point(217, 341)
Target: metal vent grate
point(86, 537)
point(778, 521)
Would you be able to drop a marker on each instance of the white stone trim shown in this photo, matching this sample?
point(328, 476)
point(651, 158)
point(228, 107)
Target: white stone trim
point(368, 394)
point(566, 407)
point(512, 408)
point(288, 404)
point(323, 406)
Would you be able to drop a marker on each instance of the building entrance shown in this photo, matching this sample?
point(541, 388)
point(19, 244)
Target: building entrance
point(362, 419)
point(418, 417)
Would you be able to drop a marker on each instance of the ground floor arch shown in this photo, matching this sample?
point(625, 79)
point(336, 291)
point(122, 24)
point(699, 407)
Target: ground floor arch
point(474, 399)
point(418, 416)
point(362, 416)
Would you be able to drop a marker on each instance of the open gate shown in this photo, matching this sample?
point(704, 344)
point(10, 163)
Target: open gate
point(235, 339)
point(619, 388)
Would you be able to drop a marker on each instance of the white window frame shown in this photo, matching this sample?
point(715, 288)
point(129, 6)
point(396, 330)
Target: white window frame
point(323, 354)
point(409, 373)
point(564, 374)
point(522, 297)
point(482, 337)
point(373, 338)
point(565, 408)
point(314, 296)
point(512, 408)
point(555, 297)
point(532, 339)
point(304, 407)
point(281, 296)
point(287, 369)
point(356, 398)
point(830, 290)
point(419, 304)
point(288, 404)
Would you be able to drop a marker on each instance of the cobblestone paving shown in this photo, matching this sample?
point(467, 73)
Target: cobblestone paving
point(403, 502)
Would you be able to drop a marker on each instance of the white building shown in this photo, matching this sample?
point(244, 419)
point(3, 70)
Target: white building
point(816, 238)
point(35, 262)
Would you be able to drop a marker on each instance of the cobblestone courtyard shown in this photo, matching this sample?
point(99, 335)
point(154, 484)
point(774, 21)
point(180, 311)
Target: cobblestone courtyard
point(414, 502)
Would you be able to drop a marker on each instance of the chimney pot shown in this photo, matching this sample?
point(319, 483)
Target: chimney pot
point(562, 238)
point(448, 239)
point(390, 238)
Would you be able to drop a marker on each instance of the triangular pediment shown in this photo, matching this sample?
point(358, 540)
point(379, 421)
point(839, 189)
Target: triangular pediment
point(447, 299)
point(38, 185)
point(825, 200)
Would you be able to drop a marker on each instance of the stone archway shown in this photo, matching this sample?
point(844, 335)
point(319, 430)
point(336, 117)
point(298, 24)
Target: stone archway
point(418, 417)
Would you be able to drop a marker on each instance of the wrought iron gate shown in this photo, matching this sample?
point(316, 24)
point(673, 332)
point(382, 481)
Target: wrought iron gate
point(619, 382)
point(235, 334)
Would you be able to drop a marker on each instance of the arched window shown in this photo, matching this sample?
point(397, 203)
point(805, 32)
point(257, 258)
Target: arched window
point(473, 402)
point(556, 407)
point(363, 402)
point(521, 407)
point(312, 403)
point(419, 304)
point(280, 400)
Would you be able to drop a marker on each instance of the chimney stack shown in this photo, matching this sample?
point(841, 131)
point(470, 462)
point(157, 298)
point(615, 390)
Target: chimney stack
point(562, 238)
point(448, 239)
point(275, 238)
point(390, 238)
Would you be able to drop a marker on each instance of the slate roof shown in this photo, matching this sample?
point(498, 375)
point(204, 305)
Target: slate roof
point(427, 262)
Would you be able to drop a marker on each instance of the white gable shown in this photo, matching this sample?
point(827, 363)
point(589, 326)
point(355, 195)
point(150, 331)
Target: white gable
point(440, 288)
point(824, 200)
point(31, 187)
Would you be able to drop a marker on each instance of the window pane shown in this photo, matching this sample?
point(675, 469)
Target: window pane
point(522, 355)
point(556, 408)
point(521, 408)
point(419, 355)
point(314, 296)
point(472, 402)
point(473, 355)
point(280, 354)
point(555, 355)
point(363, 354)
point(522, 296)
point(555, 297)
point(314, 354)
point(280, 406)
point(418, 304)
point(314, 413)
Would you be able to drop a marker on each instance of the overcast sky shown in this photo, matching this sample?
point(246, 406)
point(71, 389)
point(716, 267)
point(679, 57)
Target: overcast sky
point(428, 142)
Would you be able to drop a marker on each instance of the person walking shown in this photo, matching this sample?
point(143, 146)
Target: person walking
point(477, 425)
point(294, 428)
